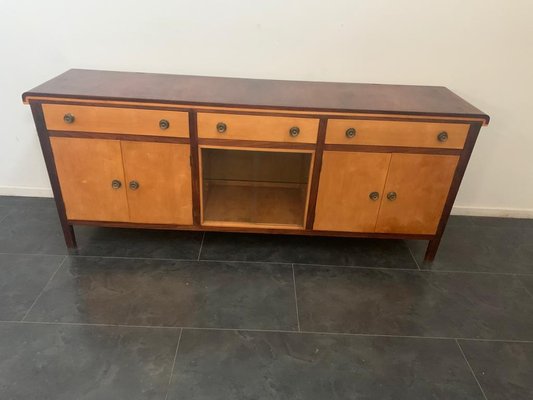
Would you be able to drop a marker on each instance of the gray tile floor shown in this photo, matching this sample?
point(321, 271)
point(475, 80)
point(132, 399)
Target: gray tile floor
point(137, 314)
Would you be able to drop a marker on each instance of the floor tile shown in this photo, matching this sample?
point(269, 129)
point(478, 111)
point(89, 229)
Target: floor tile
point(169, 293)
point(19, 201)
point(51, 362)
point(22, 278)
point(307, 250)
point(259, 365)
point(504, 370)
point(481, 249)
point(413, 303)
point(527, 281)
point(4, 211)
point(146, 243)
point(32, 230)
point(502, 222)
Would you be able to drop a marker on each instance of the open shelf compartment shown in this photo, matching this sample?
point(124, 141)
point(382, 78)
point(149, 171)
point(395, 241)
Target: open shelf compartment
point(251, 187)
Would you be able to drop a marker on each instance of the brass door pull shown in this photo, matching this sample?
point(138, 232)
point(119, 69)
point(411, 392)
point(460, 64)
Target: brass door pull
point(294, 131)
point(68, 118)
point(221, 127)
point(134, 185)
point(116, 184)
point(164, 124)
point(391, 196)
point(442, 137)
point(374, 196)
point(350, 133)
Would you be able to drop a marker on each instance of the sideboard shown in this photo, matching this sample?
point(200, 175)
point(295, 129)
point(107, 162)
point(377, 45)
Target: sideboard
point(161, 151)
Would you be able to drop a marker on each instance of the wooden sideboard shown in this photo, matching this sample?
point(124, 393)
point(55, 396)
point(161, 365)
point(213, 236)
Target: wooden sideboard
point(201, 153)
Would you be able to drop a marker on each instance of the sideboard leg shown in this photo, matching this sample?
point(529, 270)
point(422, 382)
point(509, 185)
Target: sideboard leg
point(70, 237)
point(432, 248)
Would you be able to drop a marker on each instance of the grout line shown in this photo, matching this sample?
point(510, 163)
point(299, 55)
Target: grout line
point(471, 370)
point(44, 287)
point(201, 245)
point(268, 331)
point(279, 263)
point(173, 364)
point(524, 286)
point(296, 299)
point(413, 257)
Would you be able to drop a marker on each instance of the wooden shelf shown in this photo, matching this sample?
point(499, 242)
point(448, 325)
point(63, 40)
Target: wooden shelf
point(235, 203)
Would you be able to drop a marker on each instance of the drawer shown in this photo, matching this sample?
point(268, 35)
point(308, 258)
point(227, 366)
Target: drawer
point(116, 120)
point(261, 128)
point(396, 133)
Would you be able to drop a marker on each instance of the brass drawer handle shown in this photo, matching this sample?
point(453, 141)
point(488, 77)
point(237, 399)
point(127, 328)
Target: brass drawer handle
point(294, 131)
point(134, 185)
point(443, 136)
point(391, 196)
point(350, 133)
point(164, 124)
point(374, 196)
point(116, 184)
point(221, 127)
point(68, 118)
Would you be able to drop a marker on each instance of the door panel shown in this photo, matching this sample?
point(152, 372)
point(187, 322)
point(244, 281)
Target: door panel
point(163, 173)
point(346, 181)
point(421, 183)
point(86, 169)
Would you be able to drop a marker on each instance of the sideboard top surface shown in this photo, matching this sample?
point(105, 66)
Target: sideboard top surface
point(257, 93)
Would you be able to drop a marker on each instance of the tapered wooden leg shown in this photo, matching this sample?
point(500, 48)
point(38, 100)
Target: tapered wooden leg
point(70, 237)
point(432, 248)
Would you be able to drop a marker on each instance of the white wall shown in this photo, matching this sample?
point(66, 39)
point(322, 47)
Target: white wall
point(481, 49)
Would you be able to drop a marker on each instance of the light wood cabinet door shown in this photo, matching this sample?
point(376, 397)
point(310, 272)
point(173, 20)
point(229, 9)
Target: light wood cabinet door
point(418, 185)
point(162, 174)
point(86, 169)
point(347, 179)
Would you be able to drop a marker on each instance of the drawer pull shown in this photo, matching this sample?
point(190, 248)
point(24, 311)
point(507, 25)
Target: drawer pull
point(391, 196)
point(374, 196)
point(294, 131)
point(68, 118)
point(164, 124)
point(221, 127)
point(443, 136)
point(116, 184)
point(134, 185)
point(350, 133)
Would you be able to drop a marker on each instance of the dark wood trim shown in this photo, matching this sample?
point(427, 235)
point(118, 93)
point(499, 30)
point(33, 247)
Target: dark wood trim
point(38, 117)
point(391, 149)
point(120, 136)
point(195, 168)
point(315, 178)
point(256, 144)
point(433, 244)
point(253, 230)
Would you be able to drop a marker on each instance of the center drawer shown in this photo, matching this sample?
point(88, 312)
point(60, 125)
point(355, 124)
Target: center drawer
point(396, 133)
point(257, 127)
point(133, 121)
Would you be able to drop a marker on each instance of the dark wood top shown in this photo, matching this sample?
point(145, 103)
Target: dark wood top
point(257, 93)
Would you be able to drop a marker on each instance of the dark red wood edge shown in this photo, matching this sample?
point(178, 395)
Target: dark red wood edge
point(315, 178)
point(379, 117)
point(209, 228)
point(119, 136)
point(195, 168)
point(256, 144)
point(44, 140)
point(391, 149)
point(433, 244)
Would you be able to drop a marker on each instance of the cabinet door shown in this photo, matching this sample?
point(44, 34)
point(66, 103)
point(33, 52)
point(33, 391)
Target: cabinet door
point(86, 169)
point(418, 185)
point(347, 179)
point(162, 174)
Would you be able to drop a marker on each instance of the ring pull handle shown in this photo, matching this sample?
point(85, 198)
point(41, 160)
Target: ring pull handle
point(221, 127)
point(443, 136)
point(374, 196)
point(294, 131)
point(116, 184)
point(350, 133)
point(164, 124)
point(392, 196)
point(69, 118)
point(134, 185)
